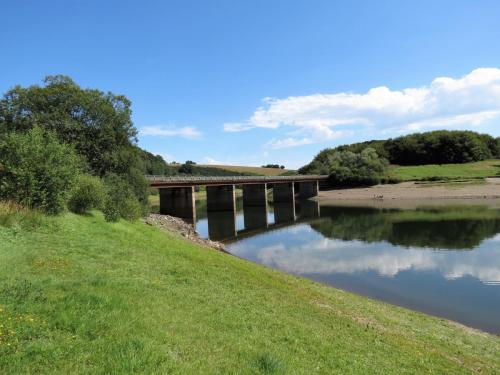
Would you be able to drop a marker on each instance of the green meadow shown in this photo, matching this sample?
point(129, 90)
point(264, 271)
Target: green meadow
point(82, 296)
point(468, 171)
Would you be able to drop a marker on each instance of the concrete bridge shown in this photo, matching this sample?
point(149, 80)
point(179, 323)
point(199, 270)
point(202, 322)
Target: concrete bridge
point(177, 194)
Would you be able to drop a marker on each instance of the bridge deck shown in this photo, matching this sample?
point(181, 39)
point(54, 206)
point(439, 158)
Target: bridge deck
point(181, 181)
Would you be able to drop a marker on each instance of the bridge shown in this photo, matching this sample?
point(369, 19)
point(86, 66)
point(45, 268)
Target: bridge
point(177, 193)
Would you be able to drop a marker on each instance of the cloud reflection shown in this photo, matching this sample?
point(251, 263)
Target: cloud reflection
point(306, 255)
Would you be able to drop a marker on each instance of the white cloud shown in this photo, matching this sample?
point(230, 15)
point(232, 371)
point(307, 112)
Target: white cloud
point(249, 160)
point(233, 127)
point(447, 102)
point(167, 157)
point(315, 137)
point(170, 131)
point(211, 161)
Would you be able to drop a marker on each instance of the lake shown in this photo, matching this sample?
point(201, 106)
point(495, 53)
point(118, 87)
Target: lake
point(439, 259)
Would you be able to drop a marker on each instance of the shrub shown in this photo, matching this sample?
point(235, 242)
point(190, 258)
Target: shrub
point(120, 200)
point(36, 170)
point(87, 194)
point(350, 169)
point(131, 209)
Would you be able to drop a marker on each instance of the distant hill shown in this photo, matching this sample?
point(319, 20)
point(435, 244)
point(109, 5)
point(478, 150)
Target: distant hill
point(250, 170)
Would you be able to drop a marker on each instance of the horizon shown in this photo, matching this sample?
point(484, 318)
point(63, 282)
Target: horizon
point(268, 82)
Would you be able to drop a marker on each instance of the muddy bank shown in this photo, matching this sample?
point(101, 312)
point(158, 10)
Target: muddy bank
point(414, 191)
point(175, 225)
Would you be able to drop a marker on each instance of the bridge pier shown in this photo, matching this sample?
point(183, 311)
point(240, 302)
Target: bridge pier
point(255, 195)
point(308, 189)
point(283, 192)
point(255, 207)
point(221, 198)
point(178, 202)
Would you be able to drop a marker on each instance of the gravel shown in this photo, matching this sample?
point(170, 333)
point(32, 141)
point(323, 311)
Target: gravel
point(175, 225)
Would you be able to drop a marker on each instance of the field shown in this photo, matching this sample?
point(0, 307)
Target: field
point(478, 170)
point(82, 296)
point(254, 170)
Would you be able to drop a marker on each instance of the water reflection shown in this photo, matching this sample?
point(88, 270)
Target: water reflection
point(309, 209)
point(284, 212)
point(221, 225)
point(255, 217)
point(454, 227)
point(441, 260)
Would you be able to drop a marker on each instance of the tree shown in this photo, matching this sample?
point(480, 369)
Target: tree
point(271, 166)
point(97, 125)
point(349, 169)
point(440, 147)
point(186, 169)
point(36, 170)
point(437, 147)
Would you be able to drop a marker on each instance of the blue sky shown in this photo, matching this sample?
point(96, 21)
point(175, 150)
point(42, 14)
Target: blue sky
point(267, 81)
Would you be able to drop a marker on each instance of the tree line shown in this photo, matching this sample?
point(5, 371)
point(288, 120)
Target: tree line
point(275, 166)
point(365, 162)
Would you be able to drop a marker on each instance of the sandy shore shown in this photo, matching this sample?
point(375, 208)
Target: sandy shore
point(410, 193)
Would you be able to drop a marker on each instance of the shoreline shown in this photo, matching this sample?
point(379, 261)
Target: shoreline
point(406, 192)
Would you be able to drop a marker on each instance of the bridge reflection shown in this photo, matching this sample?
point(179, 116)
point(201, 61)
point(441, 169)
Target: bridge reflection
point(222, 225)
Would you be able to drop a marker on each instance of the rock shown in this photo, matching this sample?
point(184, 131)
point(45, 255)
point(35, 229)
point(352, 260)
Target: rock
point(177, 225)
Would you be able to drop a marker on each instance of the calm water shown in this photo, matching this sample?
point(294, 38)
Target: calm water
point(440, 260)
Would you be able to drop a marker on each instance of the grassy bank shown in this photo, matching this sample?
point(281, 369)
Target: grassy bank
point(253, 170)
point(79, 295)
point(479, 170)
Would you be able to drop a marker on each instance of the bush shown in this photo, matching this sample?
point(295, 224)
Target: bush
point(130, 209)
point(36, 170)
point(120, 200)
point(87, 194)
point(350, 169)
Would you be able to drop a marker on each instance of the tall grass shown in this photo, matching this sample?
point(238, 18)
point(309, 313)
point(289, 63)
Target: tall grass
point(13, 215)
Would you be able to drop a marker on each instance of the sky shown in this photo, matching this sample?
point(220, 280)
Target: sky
point(267, 81)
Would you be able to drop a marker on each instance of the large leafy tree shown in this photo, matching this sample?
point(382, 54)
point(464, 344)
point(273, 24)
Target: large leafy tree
point(97, 124)
point(347, 168)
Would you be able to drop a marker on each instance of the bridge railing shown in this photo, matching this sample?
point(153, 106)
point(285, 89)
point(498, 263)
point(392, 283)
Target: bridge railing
point(155, 178)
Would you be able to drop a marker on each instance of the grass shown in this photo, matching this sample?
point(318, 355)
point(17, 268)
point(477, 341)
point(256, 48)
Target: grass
point(82, 296)
point(254, 170)
point(469, 171)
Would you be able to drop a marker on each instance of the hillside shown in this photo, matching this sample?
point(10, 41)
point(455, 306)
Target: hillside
point(79, 295)
point(250, 170)
point(477, 170)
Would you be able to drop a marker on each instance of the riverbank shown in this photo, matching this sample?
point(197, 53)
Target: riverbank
point(79, 295)
point(487, 189)
point(178, 226)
